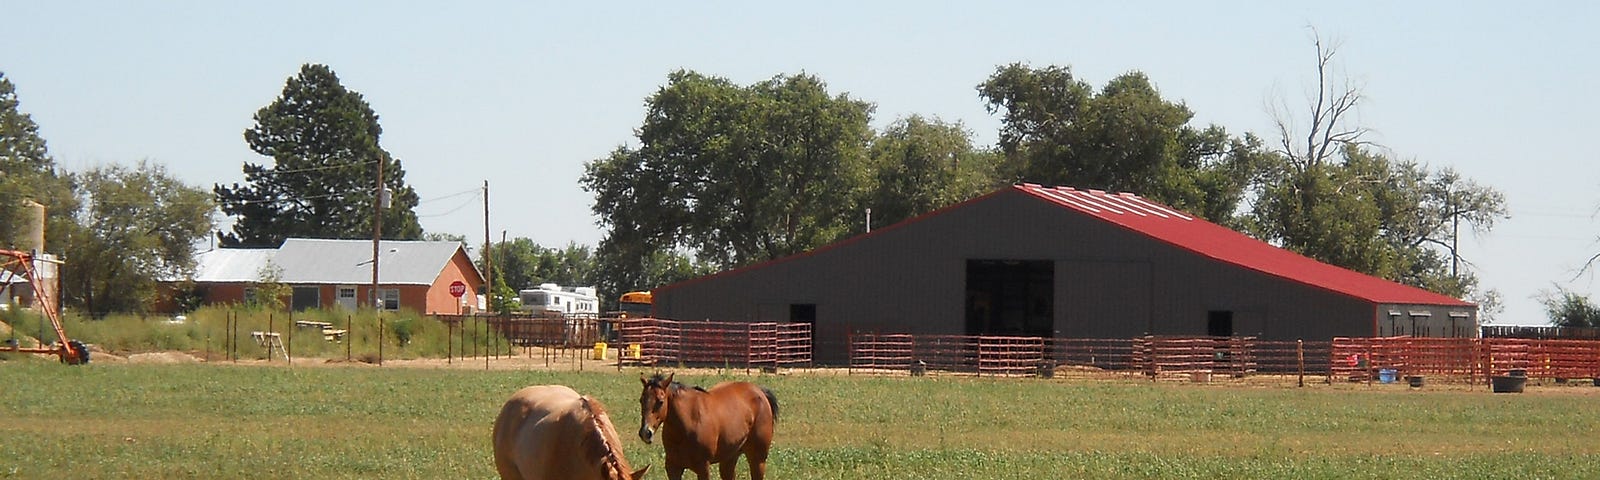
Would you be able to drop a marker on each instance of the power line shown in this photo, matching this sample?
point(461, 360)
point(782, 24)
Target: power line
point(276, 171)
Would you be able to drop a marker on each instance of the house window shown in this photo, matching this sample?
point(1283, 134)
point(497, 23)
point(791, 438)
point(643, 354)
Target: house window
point(347, 293)
point(249, 295)
point(391, 298)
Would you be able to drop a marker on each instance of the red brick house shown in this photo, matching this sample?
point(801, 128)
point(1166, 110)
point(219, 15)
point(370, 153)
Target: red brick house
point(412, 275)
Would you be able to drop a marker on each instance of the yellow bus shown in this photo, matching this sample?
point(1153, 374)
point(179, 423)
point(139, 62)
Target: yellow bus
point(635, 304)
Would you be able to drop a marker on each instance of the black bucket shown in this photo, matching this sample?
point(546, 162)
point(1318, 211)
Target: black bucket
point(1507, 384)
point(1414, 380)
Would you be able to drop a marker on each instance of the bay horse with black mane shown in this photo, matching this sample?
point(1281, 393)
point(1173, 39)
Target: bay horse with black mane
point(700, 427)
point(550, 432)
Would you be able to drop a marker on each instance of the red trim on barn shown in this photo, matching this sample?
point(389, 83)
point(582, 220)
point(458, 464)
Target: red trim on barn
point(1225, 245)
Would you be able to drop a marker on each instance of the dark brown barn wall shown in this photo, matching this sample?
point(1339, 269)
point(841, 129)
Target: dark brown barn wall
point(1110, 282)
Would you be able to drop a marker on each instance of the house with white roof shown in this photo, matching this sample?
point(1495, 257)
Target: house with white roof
point(412, 275)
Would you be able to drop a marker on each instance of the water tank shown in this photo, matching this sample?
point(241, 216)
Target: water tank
point(33, 241)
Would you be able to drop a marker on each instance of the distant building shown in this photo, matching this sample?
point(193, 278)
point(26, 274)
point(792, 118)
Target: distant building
point(413, 275)
point(1061, 262)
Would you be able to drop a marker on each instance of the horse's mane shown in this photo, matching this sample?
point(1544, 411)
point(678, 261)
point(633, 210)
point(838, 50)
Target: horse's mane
point(604, 439)
point(658, 378)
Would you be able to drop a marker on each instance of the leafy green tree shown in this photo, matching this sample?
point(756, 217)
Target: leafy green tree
point(523, 264)
point(139, 226)
point(1057, 130)
point(323, 140)
point(735, 174)
point(269, 290)
point(920, 165)
point(27, 173)
point(622, 272)
point(1566, 308)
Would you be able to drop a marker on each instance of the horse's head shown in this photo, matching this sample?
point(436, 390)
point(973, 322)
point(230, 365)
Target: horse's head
point(653, 404)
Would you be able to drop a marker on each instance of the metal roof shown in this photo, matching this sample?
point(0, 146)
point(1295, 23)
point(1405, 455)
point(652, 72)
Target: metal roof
point(325, 261)
point(227, 265)
point(1223, 244)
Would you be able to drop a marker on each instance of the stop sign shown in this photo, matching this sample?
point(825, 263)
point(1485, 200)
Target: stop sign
point(457, 289)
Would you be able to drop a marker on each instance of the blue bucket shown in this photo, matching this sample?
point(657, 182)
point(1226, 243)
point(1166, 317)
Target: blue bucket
point(1386, 375)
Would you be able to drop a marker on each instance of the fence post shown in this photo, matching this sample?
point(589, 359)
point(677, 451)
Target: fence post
point(380, 339)
point(449, 336)
point(1300, 358)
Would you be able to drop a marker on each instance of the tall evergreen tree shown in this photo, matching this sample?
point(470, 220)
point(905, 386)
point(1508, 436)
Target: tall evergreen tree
point(27, 173)
point(323, 140)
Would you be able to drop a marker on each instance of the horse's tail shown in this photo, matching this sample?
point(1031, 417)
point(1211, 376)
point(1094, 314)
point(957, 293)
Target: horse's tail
point(771, 400)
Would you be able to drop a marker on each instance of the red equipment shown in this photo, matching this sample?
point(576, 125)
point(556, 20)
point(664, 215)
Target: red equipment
point(70, 351)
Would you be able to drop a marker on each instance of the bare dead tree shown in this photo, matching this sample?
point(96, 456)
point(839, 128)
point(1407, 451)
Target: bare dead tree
point(1330, 128)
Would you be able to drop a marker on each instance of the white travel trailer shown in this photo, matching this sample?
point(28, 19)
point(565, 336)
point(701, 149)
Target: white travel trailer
point(550, 298)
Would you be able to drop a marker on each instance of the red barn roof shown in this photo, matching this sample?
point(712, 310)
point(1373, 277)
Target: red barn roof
point(1223, 244)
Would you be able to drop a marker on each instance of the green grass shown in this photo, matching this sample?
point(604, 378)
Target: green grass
point(211, 330)
point(231, 421)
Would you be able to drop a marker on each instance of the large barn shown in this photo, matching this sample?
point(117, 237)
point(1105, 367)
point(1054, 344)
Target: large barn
point(1056, 261)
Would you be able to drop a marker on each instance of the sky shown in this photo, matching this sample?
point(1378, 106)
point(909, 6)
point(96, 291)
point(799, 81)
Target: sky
point(522, 94)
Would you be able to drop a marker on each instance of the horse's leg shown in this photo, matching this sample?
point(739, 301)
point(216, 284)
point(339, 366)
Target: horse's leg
point(758, 468)
point(674, 472)
point(755, 450)
point(702, 471)
point(725, 469)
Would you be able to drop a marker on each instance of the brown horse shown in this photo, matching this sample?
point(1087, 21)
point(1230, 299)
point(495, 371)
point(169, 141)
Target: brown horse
point(551, 432)
point(700, 427)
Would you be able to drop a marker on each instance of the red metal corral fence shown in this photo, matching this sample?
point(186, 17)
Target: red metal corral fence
point(651, 341)
point(1473, 359)
point(1152, 356)
point(1156, 357)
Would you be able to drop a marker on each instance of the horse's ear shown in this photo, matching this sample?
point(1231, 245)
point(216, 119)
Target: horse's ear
point(642, 380)
point(638, 474)
point(669, 378)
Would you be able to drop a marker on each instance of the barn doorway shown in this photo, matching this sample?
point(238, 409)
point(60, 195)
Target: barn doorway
point(1011, 297)
point(1219, 323)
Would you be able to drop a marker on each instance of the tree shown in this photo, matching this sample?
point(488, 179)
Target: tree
point(1569, 309)
point(1326, 193)
point(920, 165)
point(139, 226)
point(622, 272)
point(731, 174)
point(27, 173)
point(523, 264)
point(269, 290)
point(323, 140)
point(1057, 130)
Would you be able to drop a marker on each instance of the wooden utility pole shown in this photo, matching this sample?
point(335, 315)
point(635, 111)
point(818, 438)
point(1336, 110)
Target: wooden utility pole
point(488, 256)
point(377, 234)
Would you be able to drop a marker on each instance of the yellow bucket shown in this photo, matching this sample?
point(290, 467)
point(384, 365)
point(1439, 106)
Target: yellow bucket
point(635, 351)
point(600, 350)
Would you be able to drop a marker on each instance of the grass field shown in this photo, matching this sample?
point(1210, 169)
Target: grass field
point(234, 421)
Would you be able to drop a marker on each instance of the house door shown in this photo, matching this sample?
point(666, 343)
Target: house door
point(347, 297)
point(305, 298)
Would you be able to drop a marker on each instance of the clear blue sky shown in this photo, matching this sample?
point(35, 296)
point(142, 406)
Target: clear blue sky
point(523, 94)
